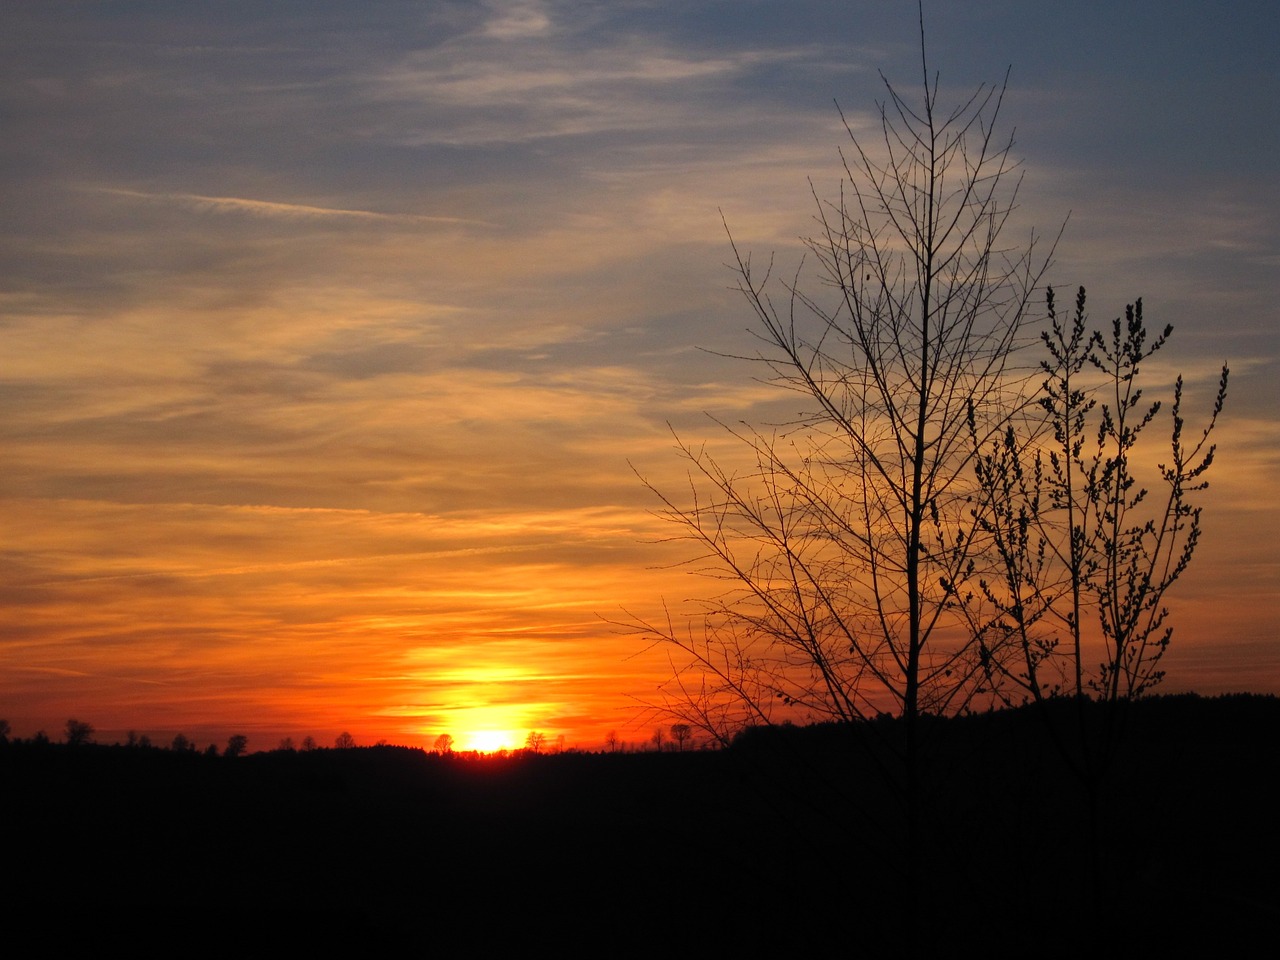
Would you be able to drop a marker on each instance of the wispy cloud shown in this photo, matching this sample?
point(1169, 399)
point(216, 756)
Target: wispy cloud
point(517, 19)
point(290, 211)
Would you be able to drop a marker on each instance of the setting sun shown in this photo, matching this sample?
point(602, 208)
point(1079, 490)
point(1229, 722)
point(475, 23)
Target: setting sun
point(489, 741)
point(488, 729)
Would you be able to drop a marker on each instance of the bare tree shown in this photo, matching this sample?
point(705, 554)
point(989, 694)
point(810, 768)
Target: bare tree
point(444, 744)
point(1142, 544)
point(680, 734)
point(1086, 553)
point(78, 732)
point(535, 741)
point(344, 741)
point(611, 740)
point(237, 743)
point(845, 539)
point(1078, 536)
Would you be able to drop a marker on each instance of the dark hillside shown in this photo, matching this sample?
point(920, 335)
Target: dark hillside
point(786, 842)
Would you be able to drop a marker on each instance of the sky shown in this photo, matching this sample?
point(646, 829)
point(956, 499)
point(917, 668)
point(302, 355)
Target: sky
point(335, 339)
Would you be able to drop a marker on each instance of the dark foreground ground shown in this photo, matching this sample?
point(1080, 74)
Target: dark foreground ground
point(790, 844)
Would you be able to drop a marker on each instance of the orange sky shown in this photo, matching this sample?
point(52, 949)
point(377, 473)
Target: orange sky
point(328, 343)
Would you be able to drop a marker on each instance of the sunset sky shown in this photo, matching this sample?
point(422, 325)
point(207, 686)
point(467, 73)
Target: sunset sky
point(330, 331)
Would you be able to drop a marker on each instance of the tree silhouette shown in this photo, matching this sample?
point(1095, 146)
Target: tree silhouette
point(843, 543)
point(680, 733)
point(1086, 552)
point(344, 741)
point(535, 741)
point(1078, 537)
point(236, 745)
point(78, 732)
point(444, 744)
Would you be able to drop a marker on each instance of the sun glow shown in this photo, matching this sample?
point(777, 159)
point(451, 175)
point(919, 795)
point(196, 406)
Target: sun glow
point(489, 741)
point(488, 729)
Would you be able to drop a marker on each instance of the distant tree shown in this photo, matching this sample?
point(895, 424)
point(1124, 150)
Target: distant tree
point(444, 743)
point(5, 730)
point(210, 751)
point(344, 741)
point(236, 745)
point(611, 741)
point(181, 744)
point(308, 743)
point(40, 739)
point(680, 733)
point(657, 739)
point(534, 741)
point(78, 732)
point(287, 745)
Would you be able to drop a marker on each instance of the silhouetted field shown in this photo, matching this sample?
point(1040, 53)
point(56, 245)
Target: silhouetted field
point(789, 843)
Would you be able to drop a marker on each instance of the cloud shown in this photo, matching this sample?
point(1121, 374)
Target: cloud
point(517, 19)
point(473, 90)
point(290, 211)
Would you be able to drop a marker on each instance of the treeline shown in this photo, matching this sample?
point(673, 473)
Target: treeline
point(678, 737)
point(78, 733)
point(1195, 714)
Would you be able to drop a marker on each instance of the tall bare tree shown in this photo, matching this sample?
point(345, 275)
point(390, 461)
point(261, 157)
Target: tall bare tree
point(846, 543)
